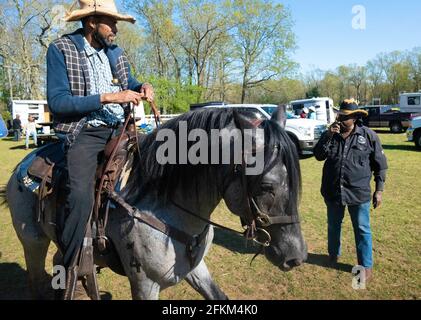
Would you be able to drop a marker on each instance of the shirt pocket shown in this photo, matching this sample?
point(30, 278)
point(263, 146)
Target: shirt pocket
point(361, 154)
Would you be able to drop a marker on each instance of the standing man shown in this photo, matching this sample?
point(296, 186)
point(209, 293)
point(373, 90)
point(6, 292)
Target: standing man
point(352, 153)
point(89, 89)
point(17, 127)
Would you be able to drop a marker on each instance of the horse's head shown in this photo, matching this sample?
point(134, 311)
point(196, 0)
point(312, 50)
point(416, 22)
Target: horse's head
point(269, 201)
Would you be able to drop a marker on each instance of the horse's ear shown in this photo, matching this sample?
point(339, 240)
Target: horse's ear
point(243, 123)
point(279, 116)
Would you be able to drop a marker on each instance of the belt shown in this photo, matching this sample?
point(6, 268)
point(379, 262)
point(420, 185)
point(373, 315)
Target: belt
point(109, 126)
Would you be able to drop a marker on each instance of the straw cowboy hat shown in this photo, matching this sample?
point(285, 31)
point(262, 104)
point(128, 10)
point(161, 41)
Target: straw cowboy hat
point(96, 7)
point(349, 107)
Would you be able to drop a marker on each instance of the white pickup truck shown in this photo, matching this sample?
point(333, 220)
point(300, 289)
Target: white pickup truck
point(414, 132)
point(305, 133)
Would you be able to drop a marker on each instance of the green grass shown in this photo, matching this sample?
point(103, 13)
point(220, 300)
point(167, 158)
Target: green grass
point(396, 235)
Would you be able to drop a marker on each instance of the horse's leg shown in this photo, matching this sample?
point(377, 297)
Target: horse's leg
point(35, 251)
point(143, 288)
point(34, 241)
point(201, 281)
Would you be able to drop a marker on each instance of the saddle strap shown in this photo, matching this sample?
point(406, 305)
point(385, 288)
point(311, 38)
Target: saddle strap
point(44, 192)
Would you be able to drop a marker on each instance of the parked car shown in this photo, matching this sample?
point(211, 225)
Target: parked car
point(414, 132)
point(387, 117)
point(305, 133)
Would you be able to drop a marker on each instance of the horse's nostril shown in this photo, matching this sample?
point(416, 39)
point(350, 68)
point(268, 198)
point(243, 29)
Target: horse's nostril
point(294, 263)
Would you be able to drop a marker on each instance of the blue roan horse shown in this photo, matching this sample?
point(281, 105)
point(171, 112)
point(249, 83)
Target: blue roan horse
point(154, 261)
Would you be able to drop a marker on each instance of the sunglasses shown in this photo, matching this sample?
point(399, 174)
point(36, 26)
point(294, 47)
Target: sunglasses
point(345, 117)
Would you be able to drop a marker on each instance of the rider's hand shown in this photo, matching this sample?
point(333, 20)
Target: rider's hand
point(333, 129)
point(127, 96)
point(147, 92)
point(377, 199)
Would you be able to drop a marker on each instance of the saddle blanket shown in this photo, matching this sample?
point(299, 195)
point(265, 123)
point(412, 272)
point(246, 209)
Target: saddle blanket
point(53, 151)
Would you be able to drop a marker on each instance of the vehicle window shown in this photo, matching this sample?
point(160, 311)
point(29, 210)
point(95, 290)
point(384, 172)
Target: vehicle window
point(386, 109)
point(298, 108)
point(373, 111)
point(270, 110)
point(414, 101)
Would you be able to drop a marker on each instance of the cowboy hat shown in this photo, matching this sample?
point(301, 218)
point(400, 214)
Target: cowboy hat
point(350, 107)
point(96, 7)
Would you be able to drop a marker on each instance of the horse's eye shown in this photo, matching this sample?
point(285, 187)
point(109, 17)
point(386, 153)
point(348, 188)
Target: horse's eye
point(267, 189)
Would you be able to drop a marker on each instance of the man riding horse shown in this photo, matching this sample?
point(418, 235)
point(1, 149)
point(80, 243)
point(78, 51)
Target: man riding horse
point(89, 91)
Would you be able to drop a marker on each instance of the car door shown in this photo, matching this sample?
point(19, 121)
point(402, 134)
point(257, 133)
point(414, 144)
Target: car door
point(374, 117)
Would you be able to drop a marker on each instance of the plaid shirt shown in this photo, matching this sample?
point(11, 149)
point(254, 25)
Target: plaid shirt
point(70, 51)
point(101, 82)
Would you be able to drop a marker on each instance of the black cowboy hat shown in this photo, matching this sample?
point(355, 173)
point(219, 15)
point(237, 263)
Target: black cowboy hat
point(350, 107)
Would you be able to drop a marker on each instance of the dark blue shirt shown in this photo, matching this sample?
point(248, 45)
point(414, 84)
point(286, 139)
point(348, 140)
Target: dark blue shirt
point(350, 164)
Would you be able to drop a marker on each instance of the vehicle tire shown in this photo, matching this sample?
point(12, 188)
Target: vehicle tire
point(396, 127)
point(417, 139)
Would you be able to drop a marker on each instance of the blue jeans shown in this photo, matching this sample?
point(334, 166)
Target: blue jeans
point(17, 134)
point(360, 217)
point(28, 135)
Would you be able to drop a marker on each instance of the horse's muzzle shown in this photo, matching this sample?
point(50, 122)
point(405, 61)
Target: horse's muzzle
point(291, 264)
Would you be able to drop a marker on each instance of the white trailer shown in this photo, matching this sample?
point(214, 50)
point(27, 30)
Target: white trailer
point(410, 102)
point(35, 108)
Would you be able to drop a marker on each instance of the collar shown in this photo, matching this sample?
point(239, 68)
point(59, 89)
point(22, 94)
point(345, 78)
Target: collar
point(359, 130)
point(90, 51)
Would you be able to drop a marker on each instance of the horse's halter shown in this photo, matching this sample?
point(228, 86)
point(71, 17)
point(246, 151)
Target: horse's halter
point(255, 219)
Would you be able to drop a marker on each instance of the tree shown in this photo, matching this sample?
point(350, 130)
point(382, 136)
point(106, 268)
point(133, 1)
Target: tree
point(264, 40)
point(205, 26)
point(375, 75)
point(414, 62)
point(357, 77)
point(26, 28)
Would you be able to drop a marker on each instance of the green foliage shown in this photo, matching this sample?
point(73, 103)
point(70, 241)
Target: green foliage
point(6, 115)
point(313, 93)
point(172, 96)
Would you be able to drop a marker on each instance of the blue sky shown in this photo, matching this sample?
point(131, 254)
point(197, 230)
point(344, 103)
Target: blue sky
point(326, 38)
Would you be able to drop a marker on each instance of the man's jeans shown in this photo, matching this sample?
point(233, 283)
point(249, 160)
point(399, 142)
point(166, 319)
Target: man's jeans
point(360, 217)
point(28, 135)
point(17, 134)
point(81, 160)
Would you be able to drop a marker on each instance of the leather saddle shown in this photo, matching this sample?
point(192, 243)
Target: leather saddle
point(49, 170)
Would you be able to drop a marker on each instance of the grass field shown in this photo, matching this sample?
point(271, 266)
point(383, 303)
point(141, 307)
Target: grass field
point(396, 234)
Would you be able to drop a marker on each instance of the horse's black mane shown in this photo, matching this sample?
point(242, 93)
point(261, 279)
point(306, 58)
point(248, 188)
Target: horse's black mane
point(149, 173)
